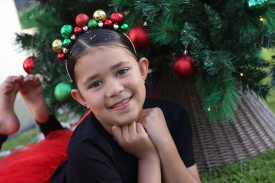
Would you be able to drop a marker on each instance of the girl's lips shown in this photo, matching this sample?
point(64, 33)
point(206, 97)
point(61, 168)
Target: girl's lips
point(122, 104)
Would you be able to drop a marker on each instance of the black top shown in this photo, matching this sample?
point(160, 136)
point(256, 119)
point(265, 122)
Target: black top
point(93, 155)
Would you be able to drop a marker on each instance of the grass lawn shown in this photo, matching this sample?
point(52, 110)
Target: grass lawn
point(252, 170)
point(23, 139)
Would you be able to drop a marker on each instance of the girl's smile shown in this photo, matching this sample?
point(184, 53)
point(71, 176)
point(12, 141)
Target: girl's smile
point(122, 104)
point(111, 83)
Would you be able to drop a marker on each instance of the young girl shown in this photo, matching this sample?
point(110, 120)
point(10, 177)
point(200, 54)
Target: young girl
point(127, 137)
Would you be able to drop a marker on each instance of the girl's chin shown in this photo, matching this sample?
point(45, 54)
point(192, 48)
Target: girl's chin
point(124, 123)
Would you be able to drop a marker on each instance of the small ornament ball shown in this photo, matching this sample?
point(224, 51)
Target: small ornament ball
point(61, 57)
point(92, 24)
point(77, 30)
point(256, 7)
point(124, 27)
point(139, 37)
point(66, 31)
point(99, 16)
point(62, 91)
point(57, 45)
point(183, 67)
point(116, 18)
point(108, 24)
point(66, 43)
point(81, 20)
point(28, 65)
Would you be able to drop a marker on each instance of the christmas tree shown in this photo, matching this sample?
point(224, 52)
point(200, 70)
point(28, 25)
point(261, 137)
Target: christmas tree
point(216, 42)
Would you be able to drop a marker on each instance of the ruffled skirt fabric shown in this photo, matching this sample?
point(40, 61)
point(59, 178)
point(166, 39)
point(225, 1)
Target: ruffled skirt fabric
point(36, 162)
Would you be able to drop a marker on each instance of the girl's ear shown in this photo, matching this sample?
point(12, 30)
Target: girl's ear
point(143, 66)
point(78, 97)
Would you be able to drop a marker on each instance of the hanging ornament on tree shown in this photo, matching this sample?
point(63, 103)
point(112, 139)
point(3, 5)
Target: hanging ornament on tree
point(183, 67)
point(256, 7)
point(139, 37)
point(28, 65)
point(62, 91)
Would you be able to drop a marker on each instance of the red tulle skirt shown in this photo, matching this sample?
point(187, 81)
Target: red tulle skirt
point(36, 162)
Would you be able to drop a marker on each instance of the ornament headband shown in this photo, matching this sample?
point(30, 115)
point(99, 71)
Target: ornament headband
point(83, 24)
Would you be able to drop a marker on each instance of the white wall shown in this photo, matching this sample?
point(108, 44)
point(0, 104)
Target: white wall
point(11, 61)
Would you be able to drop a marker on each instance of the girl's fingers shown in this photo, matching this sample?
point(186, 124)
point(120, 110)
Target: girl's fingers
point(132, 128)
point(140, 128)
point(125, 130)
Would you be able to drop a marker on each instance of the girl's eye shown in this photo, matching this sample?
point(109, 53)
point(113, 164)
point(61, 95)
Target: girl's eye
point(121, 72)
point(96, 84)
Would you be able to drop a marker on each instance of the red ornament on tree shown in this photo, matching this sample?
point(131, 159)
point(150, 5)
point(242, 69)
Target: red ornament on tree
point(183, 67)
point(28, 64)
point(81, 20)
point(108, 24)
point(139, 37)
point(117, 18)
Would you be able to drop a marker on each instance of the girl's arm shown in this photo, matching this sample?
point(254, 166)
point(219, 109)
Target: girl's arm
point(133, 139)
point(173, 168)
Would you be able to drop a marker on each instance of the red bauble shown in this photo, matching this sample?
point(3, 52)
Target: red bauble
point(81, 20)
point(138, 36)
point(61, 57)
point(108, 24)
point(183, 67)
point(77, 30)
point(117, 18)
point(28, 65)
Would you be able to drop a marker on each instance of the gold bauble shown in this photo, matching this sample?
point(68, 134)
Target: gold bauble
point(99, 15)
point(57, 45)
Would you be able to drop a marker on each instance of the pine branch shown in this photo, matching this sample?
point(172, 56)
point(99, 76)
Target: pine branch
point(165, 33)
point(219, 94)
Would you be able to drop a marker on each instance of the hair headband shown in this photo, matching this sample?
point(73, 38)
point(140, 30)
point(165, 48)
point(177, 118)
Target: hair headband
point(83, 24)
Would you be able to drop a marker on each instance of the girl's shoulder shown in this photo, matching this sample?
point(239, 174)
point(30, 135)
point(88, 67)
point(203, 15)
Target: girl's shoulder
point(85, 130)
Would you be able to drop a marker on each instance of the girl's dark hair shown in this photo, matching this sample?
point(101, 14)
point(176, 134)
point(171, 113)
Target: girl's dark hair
point(93, 38)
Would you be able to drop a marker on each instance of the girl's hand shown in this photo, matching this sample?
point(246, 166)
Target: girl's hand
point(134, 140)
point(155, 124)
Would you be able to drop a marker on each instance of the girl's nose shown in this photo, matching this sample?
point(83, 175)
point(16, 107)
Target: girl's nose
point(114, 87)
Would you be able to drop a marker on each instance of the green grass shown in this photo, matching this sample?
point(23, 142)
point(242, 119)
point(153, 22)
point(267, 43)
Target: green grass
point(258, 169)
point(25, 138)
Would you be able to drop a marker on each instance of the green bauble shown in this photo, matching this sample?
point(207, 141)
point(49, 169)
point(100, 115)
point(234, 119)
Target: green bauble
point(66, 31)
point(62, 91)
point(124, 28)
point(66, 43)
point(92, 24)
point(256, 7)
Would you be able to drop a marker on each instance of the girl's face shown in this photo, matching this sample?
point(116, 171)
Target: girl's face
point(111, 83)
